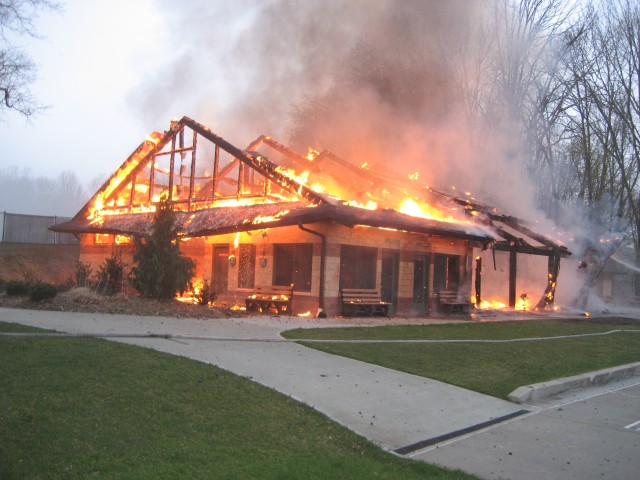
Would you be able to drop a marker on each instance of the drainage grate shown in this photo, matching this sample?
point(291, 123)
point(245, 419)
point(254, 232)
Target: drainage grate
point(458, 433)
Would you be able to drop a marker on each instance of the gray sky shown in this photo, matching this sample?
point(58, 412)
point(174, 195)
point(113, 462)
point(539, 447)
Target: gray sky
point(114, 71)
point(90, 57)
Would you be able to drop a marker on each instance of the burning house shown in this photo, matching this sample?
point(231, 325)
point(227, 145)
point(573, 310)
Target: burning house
point(254, 219)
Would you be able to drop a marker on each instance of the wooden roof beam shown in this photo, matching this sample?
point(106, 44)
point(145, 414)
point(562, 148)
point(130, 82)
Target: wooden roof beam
point(259, 163)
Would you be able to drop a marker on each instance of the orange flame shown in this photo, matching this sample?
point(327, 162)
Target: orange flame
point(312, 154)
point(492, 305)
point(410, 206)
point(379, 197)
point(522, 304)
point(370, 205)
point(124, 171)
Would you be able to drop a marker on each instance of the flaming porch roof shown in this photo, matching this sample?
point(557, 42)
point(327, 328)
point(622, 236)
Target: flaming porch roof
point(223, 220)
point(224, 189)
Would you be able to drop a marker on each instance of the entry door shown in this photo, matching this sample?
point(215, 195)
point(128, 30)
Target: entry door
point(421, 284)
point(220, 268)
point(389, 281)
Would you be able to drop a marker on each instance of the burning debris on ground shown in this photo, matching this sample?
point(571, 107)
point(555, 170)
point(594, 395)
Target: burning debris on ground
point(317, 221)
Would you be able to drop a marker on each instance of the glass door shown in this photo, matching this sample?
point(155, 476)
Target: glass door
point(389, 278)
point(421, 284)
point(220, 268)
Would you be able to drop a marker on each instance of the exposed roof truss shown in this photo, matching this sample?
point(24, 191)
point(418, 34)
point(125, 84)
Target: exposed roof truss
point(193, 168)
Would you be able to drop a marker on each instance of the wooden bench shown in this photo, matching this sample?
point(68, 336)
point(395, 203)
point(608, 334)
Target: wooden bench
point(363, 301)
point(633, 300)
point(451, 302)
point(275, 299)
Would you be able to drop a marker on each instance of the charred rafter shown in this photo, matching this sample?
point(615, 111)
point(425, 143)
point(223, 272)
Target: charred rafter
point(489, 216)
point(296, 159)
point(247, 164)
point(145, 153)
point(259, 163)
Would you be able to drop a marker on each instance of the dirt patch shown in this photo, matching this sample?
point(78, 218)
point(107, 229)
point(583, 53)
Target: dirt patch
point(55, 264)
point(85, 300)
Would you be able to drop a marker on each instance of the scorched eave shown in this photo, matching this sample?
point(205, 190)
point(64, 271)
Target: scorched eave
point(225, 220)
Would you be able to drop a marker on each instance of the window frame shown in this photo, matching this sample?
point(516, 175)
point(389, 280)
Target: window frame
point(358, 266)
point(293, 263)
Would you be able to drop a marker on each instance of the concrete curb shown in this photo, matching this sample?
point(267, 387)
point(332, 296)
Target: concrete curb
point(538, 391)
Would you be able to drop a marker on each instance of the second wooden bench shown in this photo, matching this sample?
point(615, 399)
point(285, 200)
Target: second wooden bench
point(363, 302)
point(451, 302)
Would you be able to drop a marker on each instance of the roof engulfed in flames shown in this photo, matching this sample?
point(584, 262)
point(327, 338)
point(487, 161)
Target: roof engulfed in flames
point(217, 188)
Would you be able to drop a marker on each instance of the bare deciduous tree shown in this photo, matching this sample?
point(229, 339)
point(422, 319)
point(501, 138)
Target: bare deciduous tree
point(603, 121)
point(17, 70)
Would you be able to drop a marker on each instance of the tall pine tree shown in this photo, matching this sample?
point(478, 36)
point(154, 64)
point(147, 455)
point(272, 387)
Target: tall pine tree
point(161, 271)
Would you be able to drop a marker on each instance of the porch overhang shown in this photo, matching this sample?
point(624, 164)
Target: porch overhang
point(227, 220)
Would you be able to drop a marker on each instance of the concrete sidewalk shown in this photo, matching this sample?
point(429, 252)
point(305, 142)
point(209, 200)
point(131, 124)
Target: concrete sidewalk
point(397, 411)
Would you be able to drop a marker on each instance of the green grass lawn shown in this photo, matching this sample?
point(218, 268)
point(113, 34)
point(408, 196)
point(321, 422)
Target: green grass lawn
point(492, 368)
point(87, 408)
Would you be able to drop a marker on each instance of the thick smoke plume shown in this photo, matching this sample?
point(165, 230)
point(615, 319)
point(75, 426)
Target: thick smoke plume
point(439, 87)
point(394, 84)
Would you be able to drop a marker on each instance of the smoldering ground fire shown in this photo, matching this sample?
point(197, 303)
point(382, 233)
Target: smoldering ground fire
point(317, 222)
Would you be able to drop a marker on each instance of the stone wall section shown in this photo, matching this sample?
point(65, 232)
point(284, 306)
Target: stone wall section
point(407, 245)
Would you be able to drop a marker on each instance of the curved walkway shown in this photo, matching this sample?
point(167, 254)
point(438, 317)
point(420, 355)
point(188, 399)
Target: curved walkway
point(398, 411)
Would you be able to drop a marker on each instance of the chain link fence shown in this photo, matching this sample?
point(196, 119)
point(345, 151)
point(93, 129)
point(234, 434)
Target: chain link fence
point(20, 228)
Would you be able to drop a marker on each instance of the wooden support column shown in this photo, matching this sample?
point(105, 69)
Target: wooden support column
point(152, 172)
point(513, 273)
point(478, 281)
point(552, 280)
point(183, 155)
point(216, 161)
point(132, 196)
point(192, 174)
point(172, 167)
point(241, 179)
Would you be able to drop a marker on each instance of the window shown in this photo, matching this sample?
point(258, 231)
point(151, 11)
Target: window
point(292, 264)
point(358, 266)
point(102, 239)
point(246, 266)
point(106, 239)
point(122, 240)
point(446, 272)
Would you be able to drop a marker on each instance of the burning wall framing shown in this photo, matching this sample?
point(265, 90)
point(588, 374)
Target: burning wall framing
point(218, 190)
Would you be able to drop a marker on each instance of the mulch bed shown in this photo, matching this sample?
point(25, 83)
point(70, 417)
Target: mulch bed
point(129, 305)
